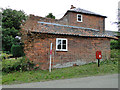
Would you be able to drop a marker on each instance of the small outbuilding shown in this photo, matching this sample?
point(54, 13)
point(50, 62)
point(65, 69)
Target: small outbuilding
point(75, 38)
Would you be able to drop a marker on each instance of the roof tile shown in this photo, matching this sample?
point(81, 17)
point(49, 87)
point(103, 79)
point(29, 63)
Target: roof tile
point(85, 11)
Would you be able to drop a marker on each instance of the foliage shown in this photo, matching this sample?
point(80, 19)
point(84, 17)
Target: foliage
point(50, 15)
point(119, 43)
point(20, 64)
point(12, 18)
point(114, 44)
point(118, 34)
point(115, 53)
point(4, 56)
point(11, 22)
point(17, 50)
point(8, 38)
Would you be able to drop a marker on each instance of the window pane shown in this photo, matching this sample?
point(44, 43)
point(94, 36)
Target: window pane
point(59, 47)
point(63, 46)
point(64, 41)
point(59, 42)
point(79, 17)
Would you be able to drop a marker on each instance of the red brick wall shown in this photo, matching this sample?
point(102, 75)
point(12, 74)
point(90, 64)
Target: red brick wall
point(80, 49)
point(89, 21)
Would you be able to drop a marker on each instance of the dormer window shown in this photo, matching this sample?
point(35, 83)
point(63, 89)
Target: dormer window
point(79, 17)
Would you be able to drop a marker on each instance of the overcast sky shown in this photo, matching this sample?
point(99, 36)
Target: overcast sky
point(108, 8)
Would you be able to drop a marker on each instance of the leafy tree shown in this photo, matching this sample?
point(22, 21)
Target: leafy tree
point(12, 18)
point(50, 15)
point(11, 22)
point(8, 38)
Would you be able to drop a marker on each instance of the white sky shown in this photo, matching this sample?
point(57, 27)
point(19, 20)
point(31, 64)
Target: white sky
point(108, 8)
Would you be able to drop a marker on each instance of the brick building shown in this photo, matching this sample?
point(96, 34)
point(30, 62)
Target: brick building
point(75, 37)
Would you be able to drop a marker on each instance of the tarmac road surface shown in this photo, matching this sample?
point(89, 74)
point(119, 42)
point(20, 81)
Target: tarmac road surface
point(107, 81)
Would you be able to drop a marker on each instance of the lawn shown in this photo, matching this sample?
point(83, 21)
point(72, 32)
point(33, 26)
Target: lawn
point(91, 69)
point(0, 72)
point(106, 67)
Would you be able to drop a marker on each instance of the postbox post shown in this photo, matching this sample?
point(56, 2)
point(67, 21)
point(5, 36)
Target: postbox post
point(98, 62)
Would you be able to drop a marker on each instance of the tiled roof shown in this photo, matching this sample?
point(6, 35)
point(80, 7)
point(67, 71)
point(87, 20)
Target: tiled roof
point(52, 28)
point(111, 33)
point(67, 26)
point(85, 11)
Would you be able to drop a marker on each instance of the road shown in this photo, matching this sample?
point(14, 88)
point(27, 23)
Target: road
point(107, 81)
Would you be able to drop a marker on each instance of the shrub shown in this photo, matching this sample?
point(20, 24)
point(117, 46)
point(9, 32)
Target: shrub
point(114, 44)
point(17, 50)
point(119, 43)
point(20, 64)
point(115, 61)
point(4, 56)
point(115, 53)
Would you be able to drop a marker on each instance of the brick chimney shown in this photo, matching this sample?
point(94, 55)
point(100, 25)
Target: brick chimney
point(72, 7)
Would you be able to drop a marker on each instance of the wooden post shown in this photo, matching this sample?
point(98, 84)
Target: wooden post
point(50, 57)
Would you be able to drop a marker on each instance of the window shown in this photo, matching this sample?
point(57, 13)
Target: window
point(61, 44)
point(79, 17)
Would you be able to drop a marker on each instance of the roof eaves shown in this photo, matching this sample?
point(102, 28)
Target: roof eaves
point(80, 35)
point(85, 13)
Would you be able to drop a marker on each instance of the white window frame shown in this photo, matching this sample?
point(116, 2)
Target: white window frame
point(61, 44)
point(81, 18)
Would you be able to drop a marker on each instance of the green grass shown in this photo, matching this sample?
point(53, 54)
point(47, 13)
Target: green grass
point(0, 77)
point(106, 67)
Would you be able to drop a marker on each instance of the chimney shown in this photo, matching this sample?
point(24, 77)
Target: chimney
point(72, 7)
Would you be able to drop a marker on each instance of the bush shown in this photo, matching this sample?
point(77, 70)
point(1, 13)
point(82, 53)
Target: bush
point(5, 56)
point(119, 43)
point(115, 53)
point(114, 44)
point(20, 64)
point(17, 50)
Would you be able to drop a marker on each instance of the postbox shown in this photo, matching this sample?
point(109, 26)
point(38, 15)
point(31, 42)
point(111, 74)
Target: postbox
point(98, 55)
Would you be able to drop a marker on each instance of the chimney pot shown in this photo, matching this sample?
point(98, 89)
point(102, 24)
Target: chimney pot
point(72, 7)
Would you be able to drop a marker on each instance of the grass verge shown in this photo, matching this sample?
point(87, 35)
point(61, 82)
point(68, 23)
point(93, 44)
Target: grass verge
point(106, 67)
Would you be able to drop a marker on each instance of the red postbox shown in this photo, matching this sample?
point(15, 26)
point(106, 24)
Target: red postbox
point(98, 55)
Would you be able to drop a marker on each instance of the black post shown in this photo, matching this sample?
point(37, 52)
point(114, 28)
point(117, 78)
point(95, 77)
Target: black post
point(98, 62)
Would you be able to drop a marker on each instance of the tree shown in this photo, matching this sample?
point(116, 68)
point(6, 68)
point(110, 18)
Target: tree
point(50, 15)
point(8, 38)
point(11, 22)
point(12, 18)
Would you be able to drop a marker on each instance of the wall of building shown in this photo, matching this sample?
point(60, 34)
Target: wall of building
point(81, 50)
point(89, 21)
